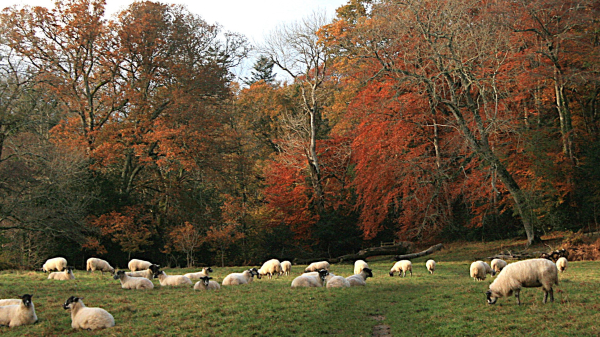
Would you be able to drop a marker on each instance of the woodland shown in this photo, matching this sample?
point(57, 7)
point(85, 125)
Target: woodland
point(399, 120)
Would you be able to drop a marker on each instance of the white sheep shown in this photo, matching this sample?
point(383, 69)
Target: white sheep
point(430, 265)
point(63, 275)
point(146, 273)
point(130, 282)
point(206, 284)
point(401, 267)
point(22, 313)
point(93, 264)
point(561, 264)
point(86, 318)
point(196, 276)
point(359, 265)
point(270, 268)
point(286, 268)
point(57, 263)
point(244, 277)
point(136, 264)
point(479, 270)
point(528, 273)
point(10, 301)
point(336, 281)
point(360, 279)
point(316, 266)
point(310, 280)
point(497, 265)
point(172, 280)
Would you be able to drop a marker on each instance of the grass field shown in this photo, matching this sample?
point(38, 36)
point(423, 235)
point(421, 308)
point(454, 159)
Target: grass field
point(448, 303)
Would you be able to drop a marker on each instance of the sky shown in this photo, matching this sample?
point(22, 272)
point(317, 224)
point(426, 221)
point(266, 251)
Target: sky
point(255, 19)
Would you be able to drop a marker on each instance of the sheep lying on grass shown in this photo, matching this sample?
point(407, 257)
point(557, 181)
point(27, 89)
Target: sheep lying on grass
point(479, 270)
point(244, 277)
point(130, 282)
point(529, 274)
point(430, 265)
point(401, 267)
point(83, 317)
point(63, 275)
point(336, 281)
point(360, 279)
point(561, 264)
point(497, 265)
point(147, 273)
point(286, 268)
point(22, 313)
point(93, 264)
point(172, 280)
point(206, 284)
point(196, 276)
point(316, 266)
point(310, 279)
point(57, 263)
point(270, 268)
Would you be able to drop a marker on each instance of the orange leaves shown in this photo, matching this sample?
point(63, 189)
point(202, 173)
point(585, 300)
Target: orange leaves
point(132, 228)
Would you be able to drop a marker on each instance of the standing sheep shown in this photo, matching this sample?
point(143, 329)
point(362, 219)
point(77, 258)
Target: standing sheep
point(63, 275)
point(308, 280)
point(83, 317)
point(244, 277)
point(22, 313)
point(94, 264)
point(286, 268)
point(561, 264)
point(497, 265)
point(172, 280)
point(359, 265)
point(360, 279)
point(479, 270)
point(401, 267)
point(196, 276)
point(316, 266)
point(57, 263)
point(206, 284)
point(136, 264)
point(529, 274)
point(270, 268)
point(430, 265)
point(130, 282)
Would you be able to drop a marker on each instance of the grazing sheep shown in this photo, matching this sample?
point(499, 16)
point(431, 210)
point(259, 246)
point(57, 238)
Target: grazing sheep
point(529, 274)
point(63, 275)
point(360, 279)
point(136, 264)
point(316, 266)
point(286, 267)
point(147, 273)
point(172, 280)
point(401, 267)
point(130, 282)
point(359, 265)
point(22, 313)
point(561, 264)
point(497, 265)
point(198, 275)
point(83, 317)
point(308, 280)
point(244, 277)
point(94, 264)
point(270, 268)
point(57, 263)
point(206, 284)
point(430, 265)
point(479, 270)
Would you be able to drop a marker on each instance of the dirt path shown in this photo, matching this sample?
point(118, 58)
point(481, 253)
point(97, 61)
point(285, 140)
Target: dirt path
point(381, 330)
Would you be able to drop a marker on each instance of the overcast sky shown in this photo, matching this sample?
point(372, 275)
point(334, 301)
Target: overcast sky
point(253, 18)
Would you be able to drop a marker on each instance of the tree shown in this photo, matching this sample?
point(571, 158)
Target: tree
point(186, 239)
point(262, 71)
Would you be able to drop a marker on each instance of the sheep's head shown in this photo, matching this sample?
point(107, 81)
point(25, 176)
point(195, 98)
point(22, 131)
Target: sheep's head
point(154, 268)
point(26, 299)
point(323, 274)
point(254, 272)
point(70, 302)
point(119, 274)
point(491, 298)
point(368, 271)
point(391, 273)
point(209, 269)
point(205, 280)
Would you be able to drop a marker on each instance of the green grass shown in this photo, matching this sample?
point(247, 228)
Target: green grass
point(447, 303)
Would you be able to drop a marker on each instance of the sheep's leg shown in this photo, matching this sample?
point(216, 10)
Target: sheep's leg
point(410, 273)
point(517, 296)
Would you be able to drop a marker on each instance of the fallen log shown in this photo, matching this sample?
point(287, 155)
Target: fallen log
point(428, 251)
point(398, 248)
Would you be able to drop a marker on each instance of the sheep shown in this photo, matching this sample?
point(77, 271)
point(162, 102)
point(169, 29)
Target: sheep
point(11, 301)
point(172, 280)
point(360, 279)
point(497, 265)
point(336, 281)
point(57, 263)
point(270, 268)
point(359, 265)
point(198, 275)
point(136, 264)
point(22, 313)
point(63, 275)
point(316, 266)
point(401, 267)
point(307, 280)
point(561, 264)
point(479, 270)
point(286, 268)
point(244, 277)
point(147, 273)
point(83, 317)
point(206, 284)
point(94, 264)
point(129, 282)
point(430, 265)
point(528, 273)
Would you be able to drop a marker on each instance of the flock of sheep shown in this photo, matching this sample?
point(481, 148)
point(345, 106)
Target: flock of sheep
point(512, 277)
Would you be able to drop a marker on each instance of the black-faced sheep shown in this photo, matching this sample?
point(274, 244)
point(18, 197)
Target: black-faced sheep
point(22, 313)
point(93, 264)
point(206, 284)
point(401, 267)
point(57, 263)
point(524, 274)
point(244, 277)
point(63, 275)
point(359, 265)
point(86, 318)
point(310, 280)
point(196, 276)
point(360, 279)
point(172, 280)
point(130, 282)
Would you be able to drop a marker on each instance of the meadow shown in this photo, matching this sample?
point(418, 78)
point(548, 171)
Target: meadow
point(447, 303)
